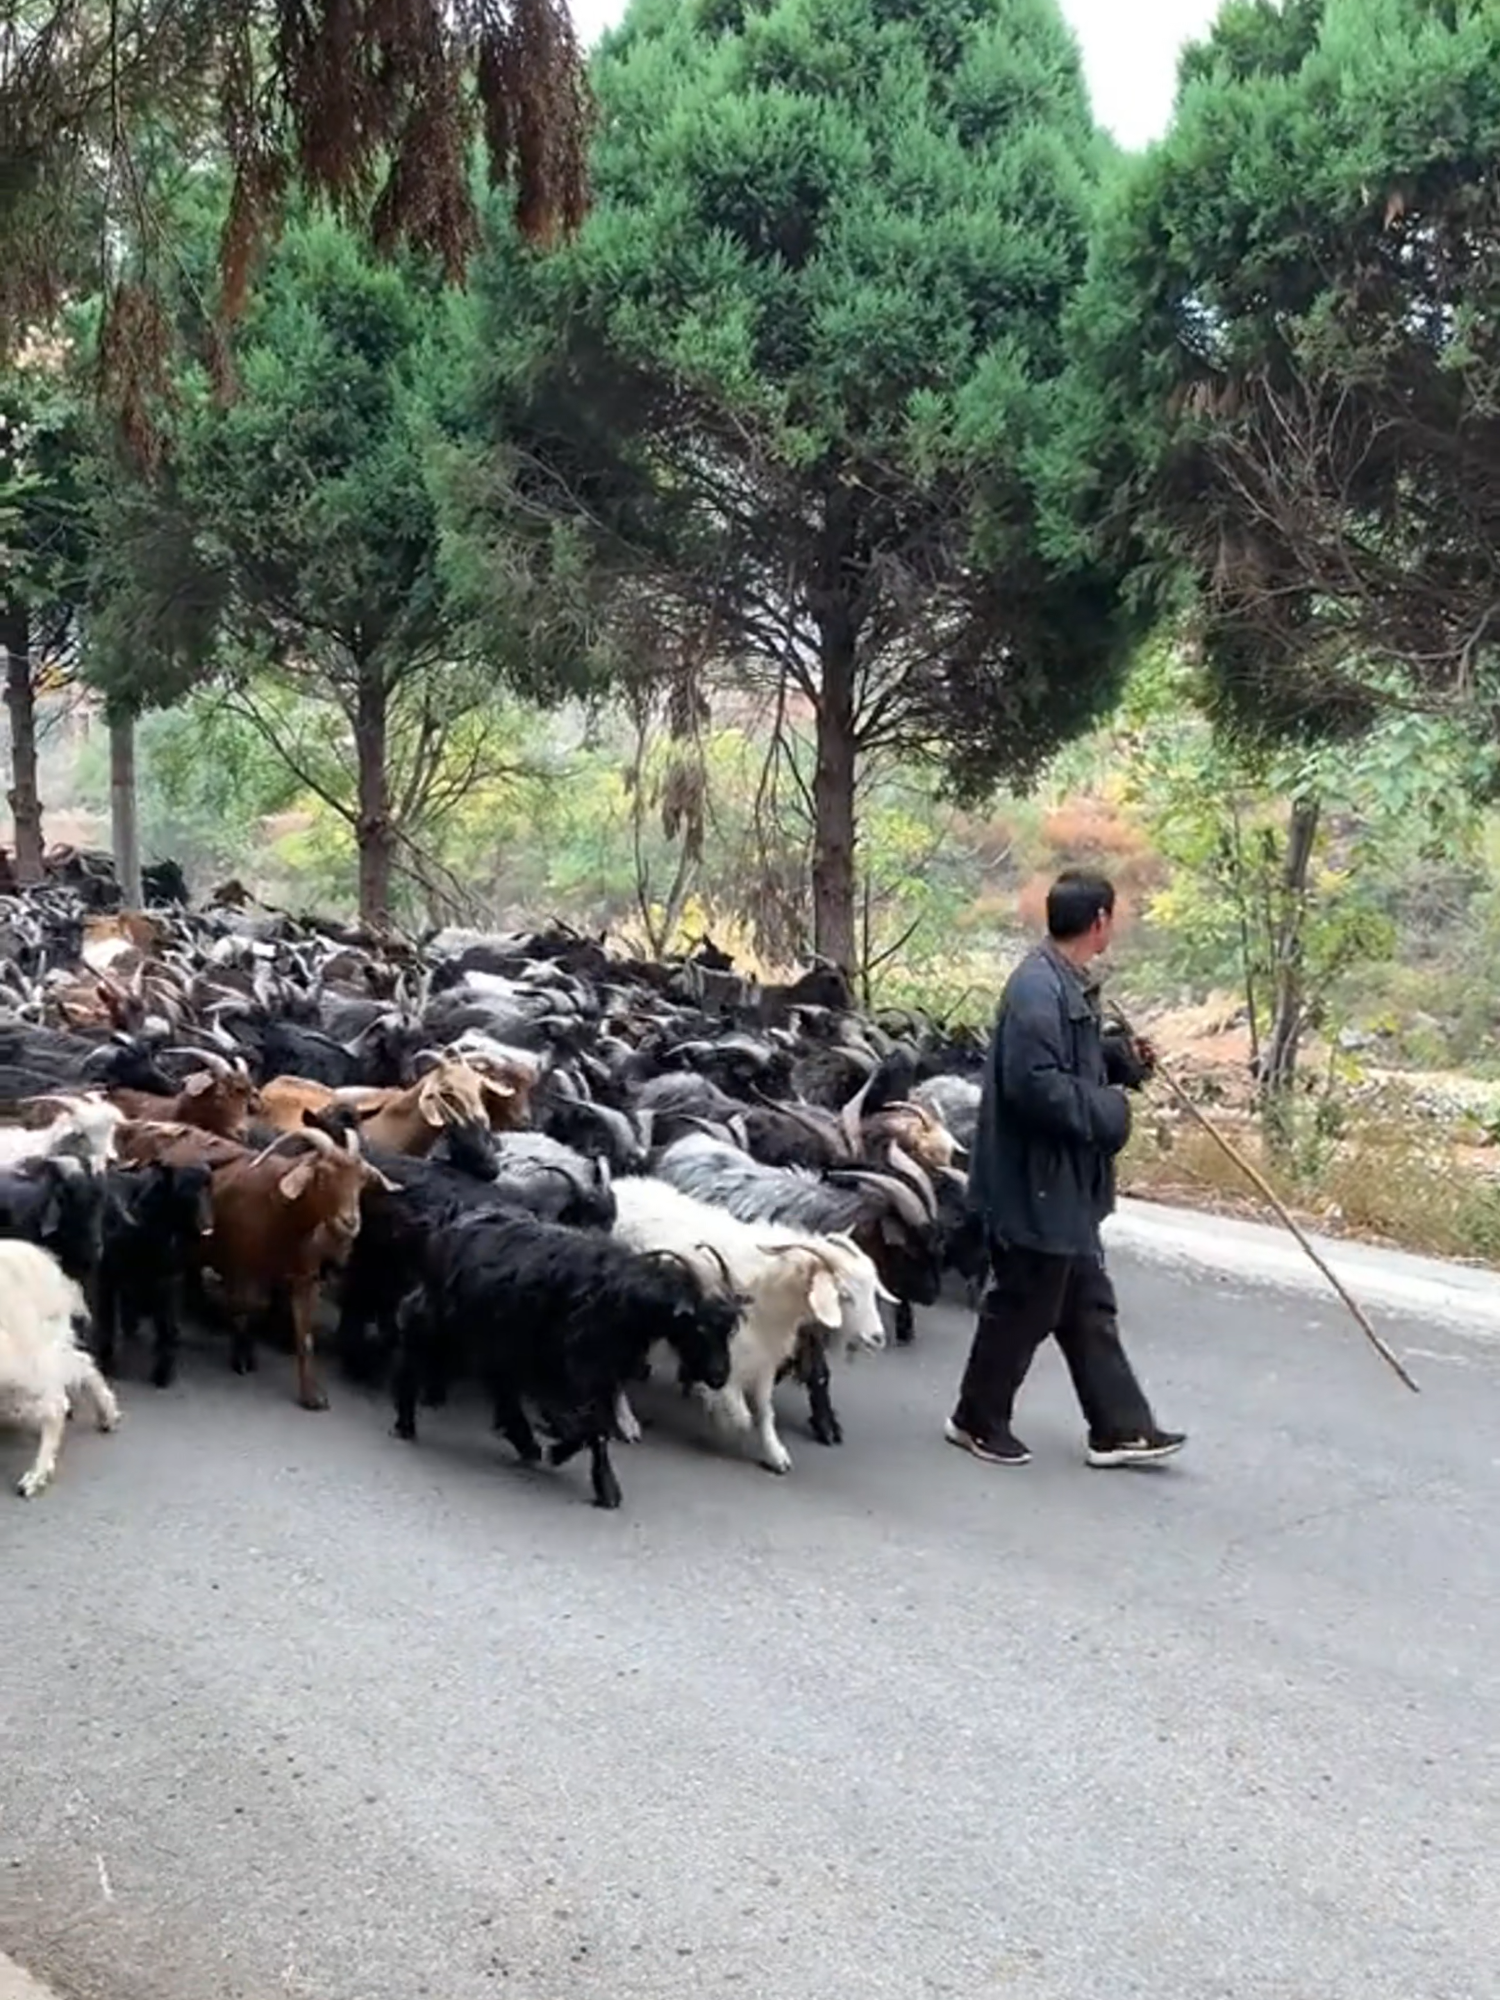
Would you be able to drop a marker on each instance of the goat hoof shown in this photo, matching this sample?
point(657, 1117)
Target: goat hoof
point(313, 1399)
point(406, 1432)
point(828, 1433)
point(608, 1497)
point(163, 1375)
point(30, 1484)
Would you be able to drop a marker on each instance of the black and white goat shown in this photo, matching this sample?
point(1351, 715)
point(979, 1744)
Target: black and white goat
point(891, 1213)
point(559, 1318)
point(796, 1292)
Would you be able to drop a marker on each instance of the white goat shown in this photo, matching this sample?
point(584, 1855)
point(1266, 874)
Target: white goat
point(84, 1129)
point(42, 1367)
point(475, 1047)
point(787, 1286)
point(859, 1283)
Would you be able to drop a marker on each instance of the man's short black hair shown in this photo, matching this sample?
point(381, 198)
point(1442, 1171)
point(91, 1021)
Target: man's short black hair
point(1076, 901)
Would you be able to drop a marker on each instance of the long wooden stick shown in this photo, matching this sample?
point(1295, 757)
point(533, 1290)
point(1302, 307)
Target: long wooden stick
point(1258, 1180)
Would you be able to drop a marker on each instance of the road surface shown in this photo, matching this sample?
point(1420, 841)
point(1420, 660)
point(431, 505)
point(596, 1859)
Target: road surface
point(291, 1709)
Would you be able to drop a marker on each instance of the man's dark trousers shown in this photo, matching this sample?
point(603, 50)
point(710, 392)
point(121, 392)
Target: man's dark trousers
point(1031, 1294)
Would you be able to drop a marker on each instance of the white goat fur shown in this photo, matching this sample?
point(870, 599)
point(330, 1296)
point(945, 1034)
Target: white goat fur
point(42, 1367)
point(788, 1284)
point(86, 1130)
point(474, 1044)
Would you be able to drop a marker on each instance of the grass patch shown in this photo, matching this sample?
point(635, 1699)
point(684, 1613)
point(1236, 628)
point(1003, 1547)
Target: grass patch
point(1380, 1180)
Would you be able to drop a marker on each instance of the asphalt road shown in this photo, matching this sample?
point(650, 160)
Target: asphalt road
point(291, 1709)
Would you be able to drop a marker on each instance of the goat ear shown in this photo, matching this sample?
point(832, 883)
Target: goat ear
point(374, 1178)
point(296, 1182)
point(196, 1085)
point(430, 1104)
point(824, 1300)
point(503, 1091)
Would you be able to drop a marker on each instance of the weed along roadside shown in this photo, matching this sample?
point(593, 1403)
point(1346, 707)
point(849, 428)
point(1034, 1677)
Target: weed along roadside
point(1404, 1162)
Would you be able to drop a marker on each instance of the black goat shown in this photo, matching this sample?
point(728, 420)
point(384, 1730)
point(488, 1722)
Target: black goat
point(560, 1318)
point(58, 1205)
point(155, 1220)
point(386, 1258)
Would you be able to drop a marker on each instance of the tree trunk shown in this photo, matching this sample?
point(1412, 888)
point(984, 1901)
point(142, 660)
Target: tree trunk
point(1288, 986)
point(125, 831)
point(373, 829)
point(833, 799)
point(25, 803)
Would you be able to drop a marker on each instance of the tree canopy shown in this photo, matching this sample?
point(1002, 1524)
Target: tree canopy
point(293, 545)
point(1294, 315)
point(370, 105)
point(803, 372)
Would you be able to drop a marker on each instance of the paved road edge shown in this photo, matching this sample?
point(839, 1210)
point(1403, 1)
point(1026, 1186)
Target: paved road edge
point(1392, 1281)
point(18, 1985)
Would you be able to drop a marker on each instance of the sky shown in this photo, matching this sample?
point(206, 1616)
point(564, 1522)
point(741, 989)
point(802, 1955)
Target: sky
point(1129, 54)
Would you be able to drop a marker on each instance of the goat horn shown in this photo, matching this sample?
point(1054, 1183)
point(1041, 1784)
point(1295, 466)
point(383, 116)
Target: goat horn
point(851, 1119)
point(902, 1164)
point(210, 1059)
point(902, 1196)
point(709, 1250)
point(303, 1132)
point(671, 1257)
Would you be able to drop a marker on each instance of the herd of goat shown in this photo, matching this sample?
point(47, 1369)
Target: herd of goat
point(526, 1161)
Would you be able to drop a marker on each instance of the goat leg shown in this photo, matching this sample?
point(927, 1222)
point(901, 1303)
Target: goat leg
point(310, 1392)
point(89, 1387)
point(108, 1317)
point(822, 1418)
point(52, 1419)
point(760, 1395)
point(606, 1486)
point(242, 1356)
point(627, 1423)
point(435, 1382)
point(164, 1353)
point(514, 1424)
point(906, 1325)
point(361, 1354)
point(404, 1381)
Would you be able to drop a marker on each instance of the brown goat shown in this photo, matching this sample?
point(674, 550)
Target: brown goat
point(507, 1087)
point(403, 1121)
point(219, 1101)
point(917, 1131)
point(279, 1220)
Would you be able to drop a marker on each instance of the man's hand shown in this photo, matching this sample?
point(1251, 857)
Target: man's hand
point(1129, 1060)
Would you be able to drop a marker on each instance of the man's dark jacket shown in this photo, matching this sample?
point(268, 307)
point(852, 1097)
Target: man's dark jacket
point(1042, 1171)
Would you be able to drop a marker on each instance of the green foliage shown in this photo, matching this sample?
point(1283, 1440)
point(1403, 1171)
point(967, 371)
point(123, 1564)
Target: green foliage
point(43, 512)
point(803, 371)
point(1292, 321)
point(1401, 801)
point(295, 547)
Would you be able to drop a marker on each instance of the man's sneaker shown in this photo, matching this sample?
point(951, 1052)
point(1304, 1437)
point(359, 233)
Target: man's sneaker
point(1147, 1450)
point(1000, 1447)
